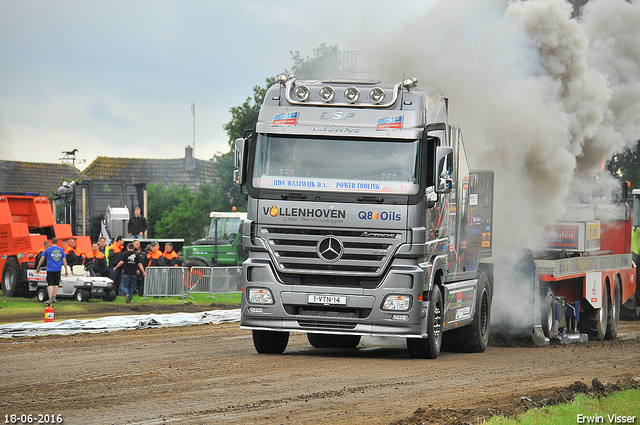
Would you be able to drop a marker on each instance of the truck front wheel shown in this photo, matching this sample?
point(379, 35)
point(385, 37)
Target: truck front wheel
point(270, 342)
point(429, 347)
point(474, 338)
point(11, 285)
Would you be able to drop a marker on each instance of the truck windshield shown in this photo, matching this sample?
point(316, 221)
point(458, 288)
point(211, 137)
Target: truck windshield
point(337, 165)
point(226, 227)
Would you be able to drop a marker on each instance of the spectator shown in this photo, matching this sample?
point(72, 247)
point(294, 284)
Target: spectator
point(74, 256)
point(154, 256)
point(102, 245)
point(56, 258)
point(131, 264)
point(44, 246)
point(169, 256)
point(95, 261)
point(137, 225)
point(113, 258)
point(137, 248)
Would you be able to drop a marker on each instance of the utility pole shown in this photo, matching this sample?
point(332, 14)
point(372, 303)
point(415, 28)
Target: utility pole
point(193, 112)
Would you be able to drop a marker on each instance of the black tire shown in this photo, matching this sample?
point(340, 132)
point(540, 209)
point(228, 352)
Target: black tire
point(630, 310)
point(333, 341)
point(270, 342)
point(11, 285)
point(474, 338)
point(42, 295)
point(82, 295)
point(547, 313)
point(593, 321)
point(613, 321)
point(195, 262)
point(110, 295)
point(429, 347)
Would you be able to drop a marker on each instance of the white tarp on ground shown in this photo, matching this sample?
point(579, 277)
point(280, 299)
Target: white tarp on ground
point(114, 323)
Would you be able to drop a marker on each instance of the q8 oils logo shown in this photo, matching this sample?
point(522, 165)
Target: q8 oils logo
point(376, 215)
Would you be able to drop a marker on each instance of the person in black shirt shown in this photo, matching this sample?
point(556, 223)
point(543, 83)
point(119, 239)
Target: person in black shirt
point(137, 225)
point(130, 262)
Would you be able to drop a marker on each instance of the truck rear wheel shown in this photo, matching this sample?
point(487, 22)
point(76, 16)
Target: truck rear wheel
point(11, 285)
point(333, 341)
point(593, 321)
point(613, 320)
point(474, 338)
point(548, 313)
point(429, 347)
point(270, 342)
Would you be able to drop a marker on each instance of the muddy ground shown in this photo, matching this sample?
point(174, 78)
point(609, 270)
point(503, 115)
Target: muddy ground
point(209, 374)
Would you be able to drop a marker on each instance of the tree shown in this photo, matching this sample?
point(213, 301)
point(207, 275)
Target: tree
point(626, 165)
point(326, 62)
point(246, 116)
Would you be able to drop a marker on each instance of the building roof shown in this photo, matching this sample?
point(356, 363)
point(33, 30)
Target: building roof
point(188, 170)
point(35, 177)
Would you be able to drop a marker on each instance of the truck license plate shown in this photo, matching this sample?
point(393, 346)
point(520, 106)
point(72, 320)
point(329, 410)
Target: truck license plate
point(327, 299)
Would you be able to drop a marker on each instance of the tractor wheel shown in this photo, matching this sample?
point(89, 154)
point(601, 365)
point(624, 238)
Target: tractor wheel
point(333, 341)
point(11, 285)
point(42, 295)
point(270, 342)
point(429, 347)
point(613, 320)
point(474, 338)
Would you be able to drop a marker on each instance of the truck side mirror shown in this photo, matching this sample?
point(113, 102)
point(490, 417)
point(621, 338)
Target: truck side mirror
point(240, 154)
point(444, 162)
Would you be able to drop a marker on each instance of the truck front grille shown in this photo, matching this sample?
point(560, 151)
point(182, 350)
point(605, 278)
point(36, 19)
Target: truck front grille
point(297, 250)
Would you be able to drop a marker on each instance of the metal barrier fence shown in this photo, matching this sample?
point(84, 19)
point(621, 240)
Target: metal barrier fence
point(182, 281)
point(165, 282)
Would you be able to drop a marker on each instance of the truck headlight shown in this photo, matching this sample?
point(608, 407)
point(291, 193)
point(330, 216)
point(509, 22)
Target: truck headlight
point(327, 93)
point(351, 94)
point(376, 95)
point(397, 302)
point(260, 296)
point(301, 92)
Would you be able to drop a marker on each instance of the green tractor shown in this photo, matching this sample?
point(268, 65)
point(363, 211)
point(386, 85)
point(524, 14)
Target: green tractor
point(223, 245)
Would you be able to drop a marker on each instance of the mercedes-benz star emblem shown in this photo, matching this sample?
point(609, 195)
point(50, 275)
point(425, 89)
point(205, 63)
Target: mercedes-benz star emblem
point(330, 249)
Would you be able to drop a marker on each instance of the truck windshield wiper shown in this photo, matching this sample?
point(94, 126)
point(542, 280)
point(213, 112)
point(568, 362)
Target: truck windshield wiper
point(370, 199)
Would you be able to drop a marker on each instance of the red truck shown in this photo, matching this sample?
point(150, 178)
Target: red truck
point(26, 221)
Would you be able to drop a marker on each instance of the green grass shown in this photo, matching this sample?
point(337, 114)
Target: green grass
point(15, 310)
point(624, 404)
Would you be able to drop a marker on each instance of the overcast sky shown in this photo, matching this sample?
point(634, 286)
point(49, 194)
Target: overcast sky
point(117, 78)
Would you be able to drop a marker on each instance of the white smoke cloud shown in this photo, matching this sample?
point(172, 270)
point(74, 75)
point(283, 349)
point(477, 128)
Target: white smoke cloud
point(540, 98)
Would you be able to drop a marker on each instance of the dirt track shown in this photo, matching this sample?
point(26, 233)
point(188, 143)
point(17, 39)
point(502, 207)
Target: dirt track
point(211, 374)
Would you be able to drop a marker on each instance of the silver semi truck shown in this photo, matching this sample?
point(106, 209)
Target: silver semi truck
point(363, 219)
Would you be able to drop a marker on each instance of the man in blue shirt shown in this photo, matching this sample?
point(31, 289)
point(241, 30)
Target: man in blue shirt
point(56, 258)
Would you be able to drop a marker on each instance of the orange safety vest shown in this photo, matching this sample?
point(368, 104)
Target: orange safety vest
point(170, 256)
point(153, 255)
point(98, 254)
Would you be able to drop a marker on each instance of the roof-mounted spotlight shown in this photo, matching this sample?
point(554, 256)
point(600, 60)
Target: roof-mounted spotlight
point(376, 95)
point(351, 94)
point(409, 83)
point(327, 93)
point(301, 92)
